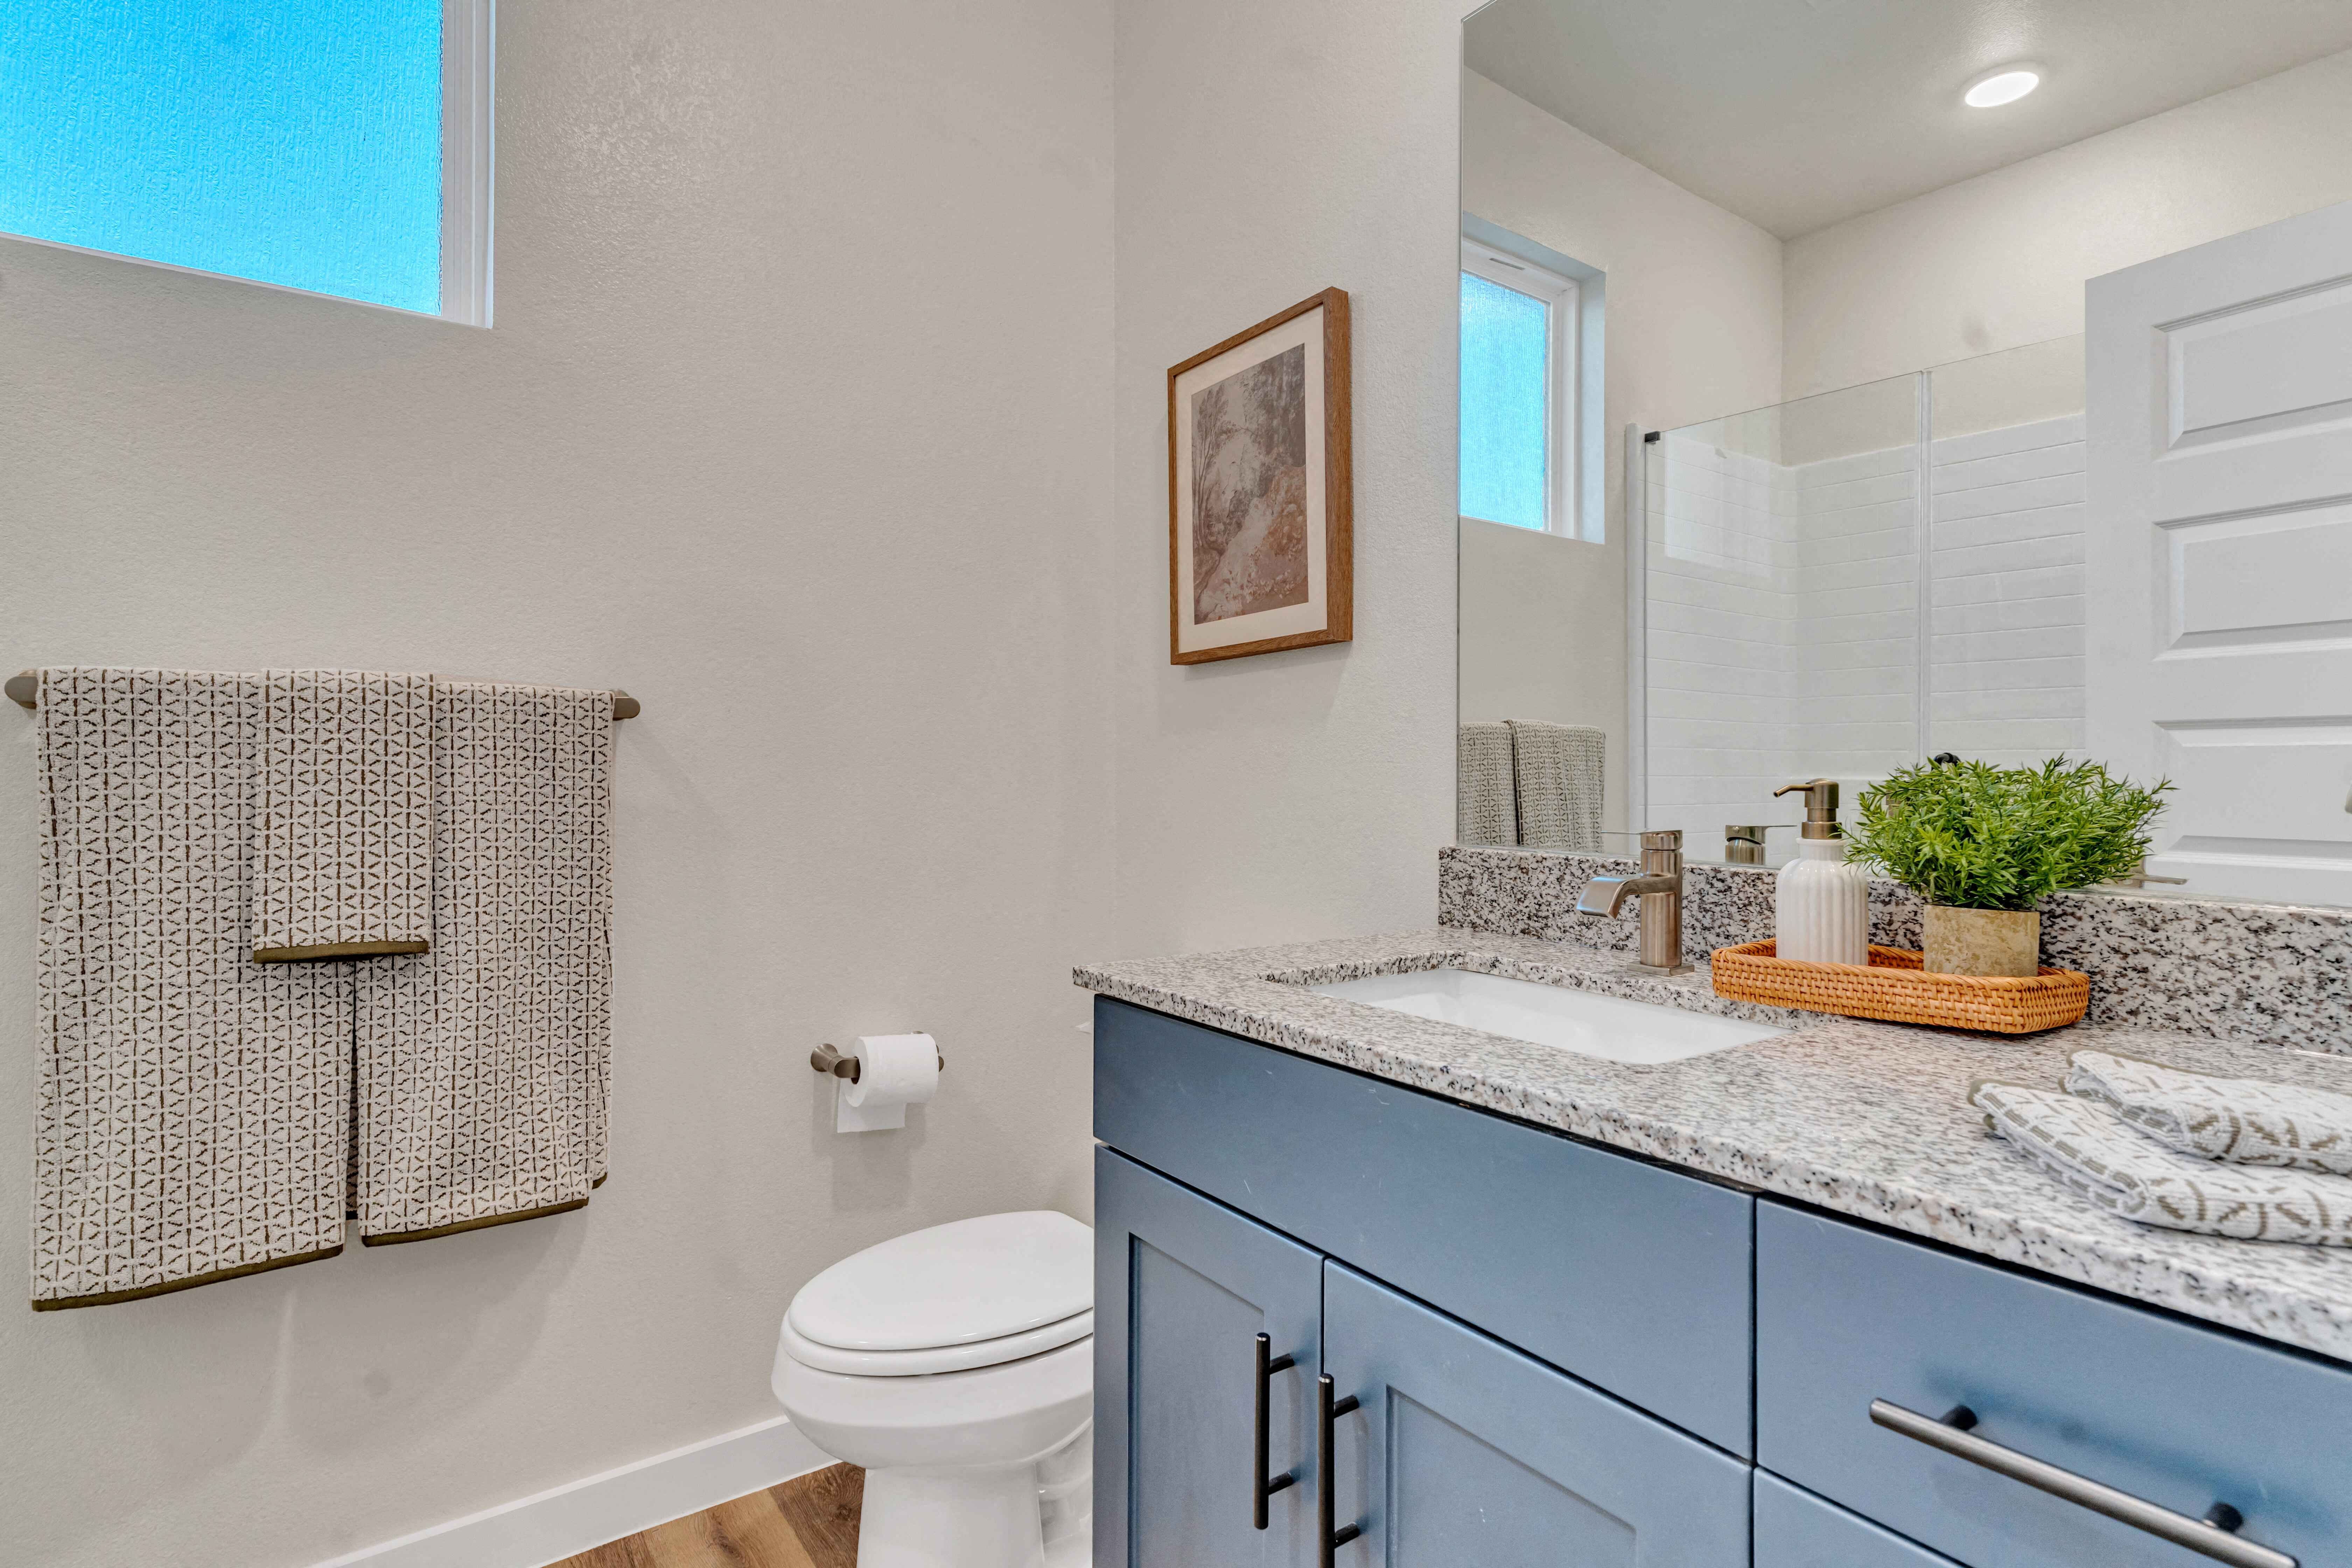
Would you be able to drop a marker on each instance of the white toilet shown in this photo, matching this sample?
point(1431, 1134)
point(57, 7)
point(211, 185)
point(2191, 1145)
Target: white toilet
point(956, 1364)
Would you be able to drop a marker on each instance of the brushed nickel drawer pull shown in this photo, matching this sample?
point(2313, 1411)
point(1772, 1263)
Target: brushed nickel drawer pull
point(2210, 1536)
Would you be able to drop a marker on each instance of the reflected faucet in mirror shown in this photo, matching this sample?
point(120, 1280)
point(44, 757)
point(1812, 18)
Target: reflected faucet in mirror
point(1660, 888)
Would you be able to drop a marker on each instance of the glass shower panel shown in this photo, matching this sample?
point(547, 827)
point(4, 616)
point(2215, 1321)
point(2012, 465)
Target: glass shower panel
point(2005, 647)
point(1781, 594)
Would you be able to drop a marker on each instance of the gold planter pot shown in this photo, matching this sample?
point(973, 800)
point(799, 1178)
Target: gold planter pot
point(1981, 941)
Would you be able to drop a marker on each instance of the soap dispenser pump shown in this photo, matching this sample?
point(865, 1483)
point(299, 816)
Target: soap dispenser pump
point(1821, 910)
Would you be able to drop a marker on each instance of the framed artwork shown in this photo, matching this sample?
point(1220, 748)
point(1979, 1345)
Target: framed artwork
point(1258, 488)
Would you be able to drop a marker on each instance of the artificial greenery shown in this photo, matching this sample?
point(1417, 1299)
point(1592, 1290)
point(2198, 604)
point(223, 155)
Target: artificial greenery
point(1974, 837)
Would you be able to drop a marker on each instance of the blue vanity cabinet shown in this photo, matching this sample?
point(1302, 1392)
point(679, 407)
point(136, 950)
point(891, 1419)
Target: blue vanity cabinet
point(1462, 1453)
point(1566, 1354)
point(1182, 1288)
point(2173, 1412)
point(1627, 1275)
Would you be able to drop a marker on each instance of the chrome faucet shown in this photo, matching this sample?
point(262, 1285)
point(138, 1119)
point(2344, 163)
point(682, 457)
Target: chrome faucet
point(1660, 888)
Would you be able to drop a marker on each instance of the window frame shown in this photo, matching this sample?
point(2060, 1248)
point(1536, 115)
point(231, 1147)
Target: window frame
point(469, 145)
point(1562, 298)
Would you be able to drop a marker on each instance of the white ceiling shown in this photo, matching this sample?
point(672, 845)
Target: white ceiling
point(1797, 114)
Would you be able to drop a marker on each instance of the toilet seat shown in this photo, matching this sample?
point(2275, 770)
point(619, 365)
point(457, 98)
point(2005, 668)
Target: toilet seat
point(977, 1292)
point(940, 1358)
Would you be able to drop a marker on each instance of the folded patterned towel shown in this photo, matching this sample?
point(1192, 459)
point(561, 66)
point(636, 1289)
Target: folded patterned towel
point(2242, 1121)
point(345, 864)
point(2088, 1147)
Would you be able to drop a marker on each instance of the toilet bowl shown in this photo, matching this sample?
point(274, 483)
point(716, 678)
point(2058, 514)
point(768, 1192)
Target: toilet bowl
point(956, 1365)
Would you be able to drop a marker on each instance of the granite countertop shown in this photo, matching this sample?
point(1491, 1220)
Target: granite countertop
point(1859, 1118)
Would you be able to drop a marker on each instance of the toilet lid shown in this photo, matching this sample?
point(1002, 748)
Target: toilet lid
point(954, 1284)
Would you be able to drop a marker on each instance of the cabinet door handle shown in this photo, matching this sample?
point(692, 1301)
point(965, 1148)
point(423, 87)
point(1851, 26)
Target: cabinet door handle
point(1326, 1412)
point(1261, 1485)
point(2211, 1535)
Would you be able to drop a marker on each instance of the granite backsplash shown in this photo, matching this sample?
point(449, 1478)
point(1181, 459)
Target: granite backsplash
point(2274, 973)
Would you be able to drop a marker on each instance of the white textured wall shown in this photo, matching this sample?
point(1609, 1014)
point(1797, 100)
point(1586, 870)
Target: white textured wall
point(795, 422)
point(1543, 636)
point(1999, 261)
point(1694, 333)
point(1267, 151)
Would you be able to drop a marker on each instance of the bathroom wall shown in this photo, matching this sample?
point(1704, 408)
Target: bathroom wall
point(1269, 148)
point(1694, 330)
point(1999, 261)
point(795, 421)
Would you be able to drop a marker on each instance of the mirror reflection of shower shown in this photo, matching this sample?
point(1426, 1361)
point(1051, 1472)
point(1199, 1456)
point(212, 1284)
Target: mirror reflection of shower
point(1794, 619)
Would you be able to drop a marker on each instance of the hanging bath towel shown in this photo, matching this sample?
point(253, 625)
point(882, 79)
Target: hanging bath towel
point(346, 856)
point(1559, 772)
point(484, 1063)
point(1483, 809)
point(191, 1121)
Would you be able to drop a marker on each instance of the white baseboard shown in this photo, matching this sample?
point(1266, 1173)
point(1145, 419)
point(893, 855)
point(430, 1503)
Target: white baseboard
point(534, 1532)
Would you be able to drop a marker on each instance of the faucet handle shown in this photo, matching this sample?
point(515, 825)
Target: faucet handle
point(1663, 838)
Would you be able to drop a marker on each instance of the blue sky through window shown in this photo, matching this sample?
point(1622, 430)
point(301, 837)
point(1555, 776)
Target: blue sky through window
point(290, 142)
point(1506, 339)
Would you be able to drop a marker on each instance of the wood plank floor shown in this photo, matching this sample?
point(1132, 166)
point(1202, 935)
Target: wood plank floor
point(808, 1522)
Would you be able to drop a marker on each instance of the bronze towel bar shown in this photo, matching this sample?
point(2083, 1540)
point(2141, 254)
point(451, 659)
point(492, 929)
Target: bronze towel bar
point(25, 688)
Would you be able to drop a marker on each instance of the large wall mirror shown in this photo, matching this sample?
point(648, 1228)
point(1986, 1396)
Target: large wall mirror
point(1845, 384)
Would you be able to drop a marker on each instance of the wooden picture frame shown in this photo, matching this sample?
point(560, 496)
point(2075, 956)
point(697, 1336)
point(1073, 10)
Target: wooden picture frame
point(1260, 545)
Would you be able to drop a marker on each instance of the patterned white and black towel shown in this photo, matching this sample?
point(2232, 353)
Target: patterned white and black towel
point(192, 1111)
point(1558, 774)
point(2240, 1120)
point(345, 861)
point(2090, 1149)
point(484, 1064)
point(1483, 810)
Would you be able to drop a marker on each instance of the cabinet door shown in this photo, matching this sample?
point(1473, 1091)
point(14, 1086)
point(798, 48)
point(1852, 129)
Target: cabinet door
point(1463, 1453)
point(1183, 1286)
point(1794, 1529)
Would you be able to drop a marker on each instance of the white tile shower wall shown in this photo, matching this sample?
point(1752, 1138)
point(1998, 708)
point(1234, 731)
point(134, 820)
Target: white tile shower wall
point(2006, 646)
point(1783, 629)
point(1858, 610)
point(1721, 673)
point(1783, 608)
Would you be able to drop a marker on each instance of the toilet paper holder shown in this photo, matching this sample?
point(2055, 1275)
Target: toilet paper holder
point(827, 1058)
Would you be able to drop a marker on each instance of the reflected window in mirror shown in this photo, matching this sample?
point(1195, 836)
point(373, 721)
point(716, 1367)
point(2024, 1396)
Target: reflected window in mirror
point(1519, 392)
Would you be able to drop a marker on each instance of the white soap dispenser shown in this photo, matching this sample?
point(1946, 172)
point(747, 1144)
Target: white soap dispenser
point(1821, 909)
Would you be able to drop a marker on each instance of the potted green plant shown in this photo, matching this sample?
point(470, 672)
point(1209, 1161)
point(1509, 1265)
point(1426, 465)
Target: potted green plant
point(1983, 846)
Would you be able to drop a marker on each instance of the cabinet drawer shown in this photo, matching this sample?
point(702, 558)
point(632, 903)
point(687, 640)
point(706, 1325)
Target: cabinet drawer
point(1794, 1529)
point(1630, 1276)
point(2143, 1402)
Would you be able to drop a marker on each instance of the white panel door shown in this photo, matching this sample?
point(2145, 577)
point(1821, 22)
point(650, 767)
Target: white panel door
point(2219, 552)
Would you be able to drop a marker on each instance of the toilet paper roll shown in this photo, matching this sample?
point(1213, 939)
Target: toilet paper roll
point(893, 1069)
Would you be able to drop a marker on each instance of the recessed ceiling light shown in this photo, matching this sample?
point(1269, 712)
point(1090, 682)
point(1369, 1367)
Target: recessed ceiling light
point(2006, 85)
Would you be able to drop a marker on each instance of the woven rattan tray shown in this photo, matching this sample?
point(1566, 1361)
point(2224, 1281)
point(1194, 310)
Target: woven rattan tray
point(1893, 986)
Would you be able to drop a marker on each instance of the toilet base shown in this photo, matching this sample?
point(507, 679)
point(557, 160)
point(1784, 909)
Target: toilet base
point(951, 1519)
point(1032, 1515)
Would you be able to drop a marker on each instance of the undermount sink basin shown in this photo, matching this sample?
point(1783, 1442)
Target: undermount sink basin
point(1609, 1027)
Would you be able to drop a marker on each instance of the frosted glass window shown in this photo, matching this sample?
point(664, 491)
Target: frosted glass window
point(1506, 404)
point(297, 143)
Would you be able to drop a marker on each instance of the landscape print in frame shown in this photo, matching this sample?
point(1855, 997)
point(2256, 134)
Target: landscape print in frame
point(1258, 491)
